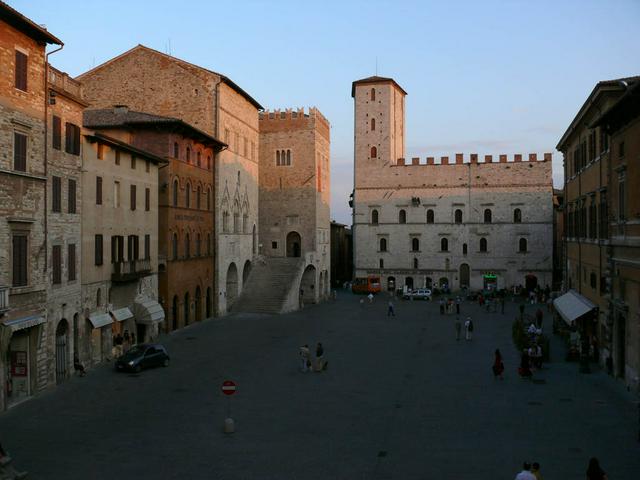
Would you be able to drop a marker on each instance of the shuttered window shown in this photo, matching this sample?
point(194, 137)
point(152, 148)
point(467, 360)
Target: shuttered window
point(56, 133)
point(56, 194)
point(72, 139)
point(56, 264)
point(147, 247)
point(99, 248)
point(98, 190)
point(71, 262)
point(147, 199)
point(71, 201)
point(21, 71)
point(133, 197)
point(19, 260)
point(19, 152)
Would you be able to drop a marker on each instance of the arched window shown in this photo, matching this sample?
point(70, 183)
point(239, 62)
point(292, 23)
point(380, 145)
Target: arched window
point(458, 216)
point(483, 244)
point(175, 193)
point(374, 217)
point(198, 193)
point(198, 245)
point(373, 124)
point(381, 263)
point(415, 245)
point(415, 263)
point(176, 150)
point(517, 216)
point(187, 196)
point(374, 152)
point(522, 245)
point(188, 154)
point(209, 198)
point(174, 246)
point(430, 216)
point(187, 246)
point(444, 245)
point(402, 216)
point(278, 158)
point(464, 248)
point(198, 159)
point(288, 157)
point(373, 94)
point(208, 162)
point(209, 244)
point(225, 221)
point(487, 215)
point(383, 244)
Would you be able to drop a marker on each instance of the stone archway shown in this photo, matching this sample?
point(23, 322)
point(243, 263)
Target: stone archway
point(198, 304)
point(530, 282)
point(208, 303)
point(308, 286)
point(232, 285)
point(246, 270)
point(465, 275)
point(187, 307)
point(62, 350)
point(294, 244)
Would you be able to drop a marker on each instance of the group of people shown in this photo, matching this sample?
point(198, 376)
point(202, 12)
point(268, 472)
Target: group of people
point(531, 471)
point(447, 305)
point(307, 364)
point(122, 343)
point(468, 328)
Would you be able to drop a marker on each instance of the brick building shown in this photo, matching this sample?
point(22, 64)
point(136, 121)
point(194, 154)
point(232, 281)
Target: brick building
point(185, 242)
point(460, 224)
point(589, 222)
point(149, 81)
point(25, 345)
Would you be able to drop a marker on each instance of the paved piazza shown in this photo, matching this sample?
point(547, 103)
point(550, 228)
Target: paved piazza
point(401, 400)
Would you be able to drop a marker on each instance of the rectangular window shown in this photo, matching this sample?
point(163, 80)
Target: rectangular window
point(71, 262)
point(116, 194)
point(20, 259)
point(147, 166)
point(133, 197)
point(117, 157)
point(19, 152)
point(56, 264)
point(71, 199)
point(133, 247)
point(133, 162)
point(622, 199)
point(100, 151)
point(604, 216)
point(56, 194)
point(621, 150)
point(147, 247)
point(21, 71)
point(98, 190)
point(72, 139)
point(274, 245)
point(56, 133)
point(147, 199)
point(99, 249)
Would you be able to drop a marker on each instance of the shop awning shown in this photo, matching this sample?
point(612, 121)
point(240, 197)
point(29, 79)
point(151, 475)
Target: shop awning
point(121, 314)
point(148, 311)
point(99, 320)
point(24, 322)
point(572, 306)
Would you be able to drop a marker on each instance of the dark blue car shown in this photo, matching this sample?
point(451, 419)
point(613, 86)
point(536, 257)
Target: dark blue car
point(146, 355)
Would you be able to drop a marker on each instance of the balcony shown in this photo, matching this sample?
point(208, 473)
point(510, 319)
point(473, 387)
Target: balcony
point(130, 270)
point(4, 300)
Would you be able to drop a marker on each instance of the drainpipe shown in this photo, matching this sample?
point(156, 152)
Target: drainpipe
point(46, 150)
point(216, 172)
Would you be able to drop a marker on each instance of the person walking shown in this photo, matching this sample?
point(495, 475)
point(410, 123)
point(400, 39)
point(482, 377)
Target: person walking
point(594, 472)
point(535, 469)
point(468, 329)
point(370, 297)
point(441, 302)
point(458, 326)
point(390, 310)
point(320, 363)
point(305, 363)
point(458, 305)
point(77, 366)
point(525, 474)
point(498, 366)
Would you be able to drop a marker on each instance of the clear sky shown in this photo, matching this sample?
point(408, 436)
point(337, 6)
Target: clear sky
point(486, 77)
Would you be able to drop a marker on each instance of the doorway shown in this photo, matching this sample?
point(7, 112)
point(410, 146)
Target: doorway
point(621, 354)
point(464, 275)
point(62, 354)
point(294, 242)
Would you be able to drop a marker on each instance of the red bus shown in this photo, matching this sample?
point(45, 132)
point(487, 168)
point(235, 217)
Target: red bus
point(370, 284)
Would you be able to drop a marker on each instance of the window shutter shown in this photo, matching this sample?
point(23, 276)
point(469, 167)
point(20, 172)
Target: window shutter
point(19, 152)
point(19, 260)
point(147, 199)
point(114, 249)
point(56, 199)
point(133, 197)
point(72, 196)
point(56, 261)
point(21, 71)
point(98, 190)
point(71, 255)
point(147, 246)
point(99, 249)
point(76, 140)
point(56, 133)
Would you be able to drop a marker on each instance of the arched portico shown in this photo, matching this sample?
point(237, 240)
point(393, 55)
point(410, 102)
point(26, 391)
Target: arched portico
point(308, 288)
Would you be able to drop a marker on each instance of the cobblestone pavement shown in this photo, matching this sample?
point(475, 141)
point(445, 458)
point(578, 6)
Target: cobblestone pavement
point(401, 400)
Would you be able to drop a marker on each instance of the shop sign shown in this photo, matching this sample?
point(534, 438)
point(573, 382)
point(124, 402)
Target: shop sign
point(18, 364)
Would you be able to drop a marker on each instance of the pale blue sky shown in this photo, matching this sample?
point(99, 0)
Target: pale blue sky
point(486, 77)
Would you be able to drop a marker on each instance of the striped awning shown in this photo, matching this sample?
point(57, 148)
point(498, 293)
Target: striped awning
point(99, 320)
point(121, 314)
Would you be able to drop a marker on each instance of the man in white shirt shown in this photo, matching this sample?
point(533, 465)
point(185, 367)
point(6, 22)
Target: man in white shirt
point(526, 474)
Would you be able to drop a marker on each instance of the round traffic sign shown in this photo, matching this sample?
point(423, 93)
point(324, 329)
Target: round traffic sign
point(228, 387)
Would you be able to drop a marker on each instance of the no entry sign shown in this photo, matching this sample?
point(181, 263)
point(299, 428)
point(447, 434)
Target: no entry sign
point(228, 387)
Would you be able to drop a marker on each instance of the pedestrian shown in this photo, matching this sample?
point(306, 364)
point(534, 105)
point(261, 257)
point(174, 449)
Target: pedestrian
point(126, 341)
point(539, 316)
point(498, 366)
point(441, 302)
point(320, 363)
point(390, 310)
point(458, 305)
point(133, 338)
point(458, 328)
point(77, 366)
point(525, 366)
point(594, 472)
point(334, 295)
point(502, 305)
point(468, 329)
point(535, 469)
point(525, 474)
point(370, 297)
point(305, 363)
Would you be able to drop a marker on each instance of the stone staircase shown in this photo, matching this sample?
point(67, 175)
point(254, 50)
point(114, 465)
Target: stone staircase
point(272, 286)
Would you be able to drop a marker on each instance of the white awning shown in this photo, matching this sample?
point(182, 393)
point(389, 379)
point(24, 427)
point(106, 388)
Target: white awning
point(25, 322)
point(148, 311)
point(121, 314)
point(572, 306)
point(99, 320)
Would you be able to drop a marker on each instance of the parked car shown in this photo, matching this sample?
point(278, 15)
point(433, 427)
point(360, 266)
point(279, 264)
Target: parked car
point(419, 294)
point(143, 356)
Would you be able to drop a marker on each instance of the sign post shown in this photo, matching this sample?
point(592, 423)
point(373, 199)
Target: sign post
point(228, 388)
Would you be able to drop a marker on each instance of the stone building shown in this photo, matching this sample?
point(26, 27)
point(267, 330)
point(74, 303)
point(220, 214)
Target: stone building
point(119, 243)
point(622, 123)
point(589, 226)
point(64, 210)
point(558, 237)
point(460, 224)
point(341, 254)
point(149, 81)
point(294, 194)
point(186, 230)
point(25, 346)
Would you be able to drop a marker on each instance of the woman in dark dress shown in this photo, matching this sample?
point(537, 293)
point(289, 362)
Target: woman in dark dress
point(594, 472)
point(525, 364)
point(498, 366)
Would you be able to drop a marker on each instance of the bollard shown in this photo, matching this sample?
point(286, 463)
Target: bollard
point(229, 425)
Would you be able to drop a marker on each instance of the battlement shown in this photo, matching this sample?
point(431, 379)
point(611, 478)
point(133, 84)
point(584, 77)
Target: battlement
point(290, 119)
point(292, 114)
point(473, 158)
